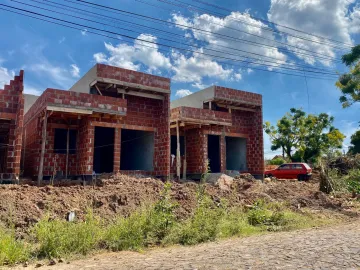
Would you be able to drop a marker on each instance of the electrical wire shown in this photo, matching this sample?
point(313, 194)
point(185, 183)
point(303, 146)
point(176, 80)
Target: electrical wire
point(160, 44)
point(289, 66)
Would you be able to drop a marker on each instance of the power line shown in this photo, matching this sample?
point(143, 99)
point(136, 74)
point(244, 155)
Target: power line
point(289, 66)
point(160, 44)
point(116, 10)
point(276, 24)
point(325, 56)
point(254, 25)
point(117, 38)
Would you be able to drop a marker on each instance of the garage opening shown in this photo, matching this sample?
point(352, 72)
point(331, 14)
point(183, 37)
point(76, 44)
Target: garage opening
point(214, 153)
point(236, 154)
point(104, 150)
point(4, 144)
point(137, 150)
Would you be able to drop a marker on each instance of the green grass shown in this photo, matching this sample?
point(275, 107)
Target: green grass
point(12, 251)
point(152, 226)
point(59, 238)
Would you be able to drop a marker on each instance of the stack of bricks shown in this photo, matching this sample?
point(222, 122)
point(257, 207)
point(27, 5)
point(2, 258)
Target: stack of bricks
point(12, 110)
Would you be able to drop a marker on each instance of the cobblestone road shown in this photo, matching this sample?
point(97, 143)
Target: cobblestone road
point(326, 248)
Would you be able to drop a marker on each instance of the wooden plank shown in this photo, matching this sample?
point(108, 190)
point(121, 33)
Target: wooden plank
point(178, 158)
point(43, 143)
point(67, 153)
point(184, 162)
point(68, 110)
point(140, 94)
point(236, 108)
point(133, 85)
point(97, 88)
point(7, 116)
point(204, 122)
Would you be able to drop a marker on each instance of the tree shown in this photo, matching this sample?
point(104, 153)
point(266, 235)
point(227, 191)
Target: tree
point(349, 83)
point(286, 135)
point(355, 141)
point(304, 137)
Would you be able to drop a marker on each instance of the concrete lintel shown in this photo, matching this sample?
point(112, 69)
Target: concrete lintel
point(131, 85)
point(7, 116)
point(140, 94)
point(193, 121)
point(58, 108)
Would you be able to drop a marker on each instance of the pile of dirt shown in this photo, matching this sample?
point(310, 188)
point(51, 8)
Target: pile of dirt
point(24, 205)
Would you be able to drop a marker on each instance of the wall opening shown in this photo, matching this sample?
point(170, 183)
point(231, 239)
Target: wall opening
point(235, 154)
point(214, 153)
point(174, 145)
point(60, 141)
point(4, 144)
point(104, 150)
point(137, 150)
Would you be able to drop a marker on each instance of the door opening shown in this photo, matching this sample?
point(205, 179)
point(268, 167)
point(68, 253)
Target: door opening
point(214, 153)
point(104, 150)
point(235, 154)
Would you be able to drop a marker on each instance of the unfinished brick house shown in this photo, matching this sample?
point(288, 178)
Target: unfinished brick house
point(218, 126)
point(11, 126)
point(111, 120)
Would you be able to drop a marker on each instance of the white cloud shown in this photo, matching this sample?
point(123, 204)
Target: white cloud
point(194, 69)
point(326, 18)
point(75, 71)
point(29, 89)
point(217, 28)
point(84, 32)
point(199, 85)
point(249, 70)
point(62, 40)
point(5, 76)
point(131, 57)
point(182, 93)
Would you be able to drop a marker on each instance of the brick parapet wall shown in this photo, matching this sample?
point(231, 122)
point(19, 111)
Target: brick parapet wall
point(237, 95)
point(75, 99)
point(12, 108)
point(130, 76)
point(200, 114)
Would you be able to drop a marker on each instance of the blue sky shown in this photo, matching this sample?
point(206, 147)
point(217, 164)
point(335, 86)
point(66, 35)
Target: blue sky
point(54, 56)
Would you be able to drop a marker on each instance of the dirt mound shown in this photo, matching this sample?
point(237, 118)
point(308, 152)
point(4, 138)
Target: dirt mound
point(24, 205)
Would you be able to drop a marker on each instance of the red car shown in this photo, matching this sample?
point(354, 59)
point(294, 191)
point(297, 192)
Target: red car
point(300, 171)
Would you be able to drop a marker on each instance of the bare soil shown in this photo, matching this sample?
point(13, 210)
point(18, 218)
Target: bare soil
point(23, 205)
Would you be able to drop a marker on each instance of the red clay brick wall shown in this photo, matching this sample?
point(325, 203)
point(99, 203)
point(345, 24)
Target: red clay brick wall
point(232, 94)
point(12, 108)
point(70, 98)
point(200, 114)
point(248, 124)
point(131, 76)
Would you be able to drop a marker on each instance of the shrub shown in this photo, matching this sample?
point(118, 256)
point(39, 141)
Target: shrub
point(127, 233)
point(143, 228)
point(12, 250)
point(353, 181)
point(201, 227)
point(266, 214)
point(277, 161)
point(57, 238)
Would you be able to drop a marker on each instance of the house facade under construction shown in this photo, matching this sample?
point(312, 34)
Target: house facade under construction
point(217, 129)
point(111, 120)
point(11, 128)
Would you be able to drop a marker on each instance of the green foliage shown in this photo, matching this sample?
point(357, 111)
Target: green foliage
point(349, 83)
point(309, 136)
point(277, 161)
point(269, 215)
point(355, 143)
point(353, 181)
point(58, 238)
point(12, 250)
point(148, 226)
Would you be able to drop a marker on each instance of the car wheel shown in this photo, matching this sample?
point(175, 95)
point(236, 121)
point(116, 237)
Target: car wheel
point(300, 177)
